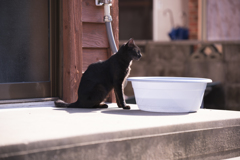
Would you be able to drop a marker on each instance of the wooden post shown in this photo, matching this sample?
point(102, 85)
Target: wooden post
point(84, 41)
point(72, 48)
point(115, 27)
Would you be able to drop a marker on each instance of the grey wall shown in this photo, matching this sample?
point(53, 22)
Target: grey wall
point(194, 59)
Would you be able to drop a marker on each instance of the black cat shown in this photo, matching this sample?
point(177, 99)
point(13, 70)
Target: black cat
point(101, 77)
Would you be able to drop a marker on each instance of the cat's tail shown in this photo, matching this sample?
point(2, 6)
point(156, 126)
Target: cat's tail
point(62, 104)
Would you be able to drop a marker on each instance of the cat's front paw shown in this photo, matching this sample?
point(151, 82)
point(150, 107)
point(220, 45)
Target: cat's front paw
point(126, 107)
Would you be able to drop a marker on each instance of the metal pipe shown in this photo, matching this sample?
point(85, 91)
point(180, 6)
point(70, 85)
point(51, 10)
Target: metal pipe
point(108, 19)
point(110, 37)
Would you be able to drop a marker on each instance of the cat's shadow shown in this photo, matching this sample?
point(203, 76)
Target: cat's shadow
point(78, 110)
point(118, 111)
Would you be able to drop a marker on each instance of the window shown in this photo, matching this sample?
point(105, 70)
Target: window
point(26, 48)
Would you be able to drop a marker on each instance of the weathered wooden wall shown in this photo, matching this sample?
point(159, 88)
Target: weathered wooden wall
point(84, 41)
point(72, 50)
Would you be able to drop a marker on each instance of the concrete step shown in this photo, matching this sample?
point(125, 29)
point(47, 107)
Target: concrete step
point(40, 131)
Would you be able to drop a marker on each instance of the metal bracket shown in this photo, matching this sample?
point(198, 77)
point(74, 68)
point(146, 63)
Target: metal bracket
point(107, 18)
point(102, 2)
point(98, 3)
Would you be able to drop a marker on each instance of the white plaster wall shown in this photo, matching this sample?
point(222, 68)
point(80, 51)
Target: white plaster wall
point(161, 23)
point(223, 20)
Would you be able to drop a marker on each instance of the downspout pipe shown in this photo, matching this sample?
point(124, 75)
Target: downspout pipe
point(111, 38)
point(108, 20)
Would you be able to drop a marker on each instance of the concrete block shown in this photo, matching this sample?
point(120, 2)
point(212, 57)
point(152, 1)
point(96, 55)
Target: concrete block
point(197, 69)
point(231, 52)
point(233, 72)
point(216, 71)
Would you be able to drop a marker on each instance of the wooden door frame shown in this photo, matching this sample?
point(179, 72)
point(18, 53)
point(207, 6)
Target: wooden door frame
point(72, 60)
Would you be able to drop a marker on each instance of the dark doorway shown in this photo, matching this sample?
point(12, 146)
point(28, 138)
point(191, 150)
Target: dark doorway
point(135, 19)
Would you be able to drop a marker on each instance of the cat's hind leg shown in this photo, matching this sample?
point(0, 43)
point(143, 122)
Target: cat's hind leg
point(101, 105)
point(73, 105)
point(94, 98)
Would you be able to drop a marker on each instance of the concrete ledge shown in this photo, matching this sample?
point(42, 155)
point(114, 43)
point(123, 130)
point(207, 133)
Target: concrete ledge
point(41, 131)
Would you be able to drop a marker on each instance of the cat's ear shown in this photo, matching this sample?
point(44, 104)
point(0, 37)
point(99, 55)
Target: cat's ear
point(131, 43)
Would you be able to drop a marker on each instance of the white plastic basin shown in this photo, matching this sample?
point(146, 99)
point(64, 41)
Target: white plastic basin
point(169, 94)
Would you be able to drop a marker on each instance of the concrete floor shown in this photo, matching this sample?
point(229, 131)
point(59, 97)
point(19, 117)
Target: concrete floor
point(41, 131)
